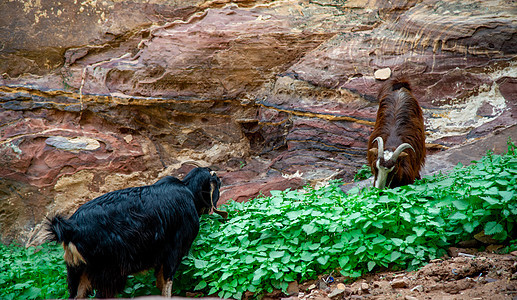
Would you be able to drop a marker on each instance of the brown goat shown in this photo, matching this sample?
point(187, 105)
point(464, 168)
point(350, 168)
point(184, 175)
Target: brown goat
point(399, 126)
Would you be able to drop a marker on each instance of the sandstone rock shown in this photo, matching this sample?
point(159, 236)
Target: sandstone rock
point(382, 74)
point(419, 288)
point(398, 283)
point(73, 144)
point(486, 239)
point(336, 292)
point(365, 287)
point(292, 288)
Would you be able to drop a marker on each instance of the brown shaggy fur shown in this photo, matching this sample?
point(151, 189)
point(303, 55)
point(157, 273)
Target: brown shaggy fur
point(399, 120)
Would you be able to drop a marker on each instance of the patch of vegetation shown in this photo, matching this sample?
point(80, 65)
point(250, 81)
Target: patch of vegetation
point(32, 273)
point(40, 273)
point(296, 235)
point(363, 173)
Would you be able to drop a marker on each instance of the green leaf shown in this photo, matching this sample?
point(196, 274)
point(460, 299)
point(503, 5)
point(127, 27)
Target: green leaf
point(446, 183)
point(371, 265)
point(201, 285)
point(506, 195)
point(406, 216)
point(275, 193)
point(259, 273)
point(493, 228)
point(309, 228)
point(460, 204)
point(276, 254)
point(395, 255)
point(379, 239)
point(249, 259)
point(200, 264)
point(490, 200)
point(306, 256)
point(323, 259)
point(469, 227)
point(397, 242)
point(324, 239)
point(343, 261)
point(411, 239)
point(294, 215)
point(419, 230)
point(360, 250)
point(458, 216)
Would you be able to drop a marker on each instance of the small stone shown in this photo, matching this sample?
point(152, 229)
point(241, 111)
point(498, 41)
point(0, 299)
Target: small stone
point(493, 248)
point(322, 285)
point(453, 251)
point(382, 74)
point(364, 286)
point(482, 237)
point(311, 287)
point(410, 298)
point(341, 286)
point(128, 138)
point(514, 253)
point(292, 288)
point(398, 284)
point(336, 292)
point(73, 144)
point(419, 288)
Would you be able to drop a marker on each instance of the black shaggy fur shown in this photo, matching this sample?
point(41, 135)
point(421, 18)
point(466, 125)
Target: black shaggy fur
point(131, 230)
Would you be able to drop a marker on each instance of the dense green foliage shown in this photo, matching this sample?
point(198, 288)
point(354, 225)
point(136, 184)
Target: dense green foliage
point(295, 235)
point(33, 273)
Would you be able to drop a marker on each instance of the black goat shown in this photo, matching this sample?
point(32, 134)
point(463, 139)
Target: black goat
point(134, 229)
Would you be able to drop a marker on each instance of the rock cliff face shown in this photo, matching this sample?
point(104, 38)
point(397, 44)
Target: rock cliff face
point(102, 95)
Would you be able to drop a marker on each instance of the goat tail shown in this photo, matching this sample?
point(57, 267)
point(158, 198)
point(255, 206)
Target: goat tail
point(59, 229)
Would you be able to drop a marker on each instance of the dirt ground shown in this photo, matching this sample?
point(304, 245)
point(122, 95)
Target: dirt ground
point(466, 274)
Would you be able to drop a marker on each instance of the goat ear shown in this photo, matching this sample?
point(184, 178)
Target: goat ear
point(403, 154)
point(373, 151)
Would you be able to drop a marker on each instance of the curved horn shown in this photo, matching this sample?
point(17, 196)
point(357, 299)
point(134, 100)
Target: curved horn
point(380, 142)
point(399, 150)
point(222, 213)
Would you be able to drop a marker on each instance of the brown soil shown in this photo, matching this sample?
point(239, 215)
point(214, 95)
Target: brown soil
point(464, 276)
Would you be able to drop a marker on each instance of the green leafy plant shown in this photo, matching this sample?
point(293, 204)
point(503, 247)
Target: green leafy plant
point(32, 273)
point(364, 172)
point(141, 284)
point(296, 235)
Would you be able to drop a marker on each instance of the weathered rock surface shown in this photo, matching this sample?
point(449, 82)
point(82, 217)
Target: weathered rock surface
point(102, 95)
